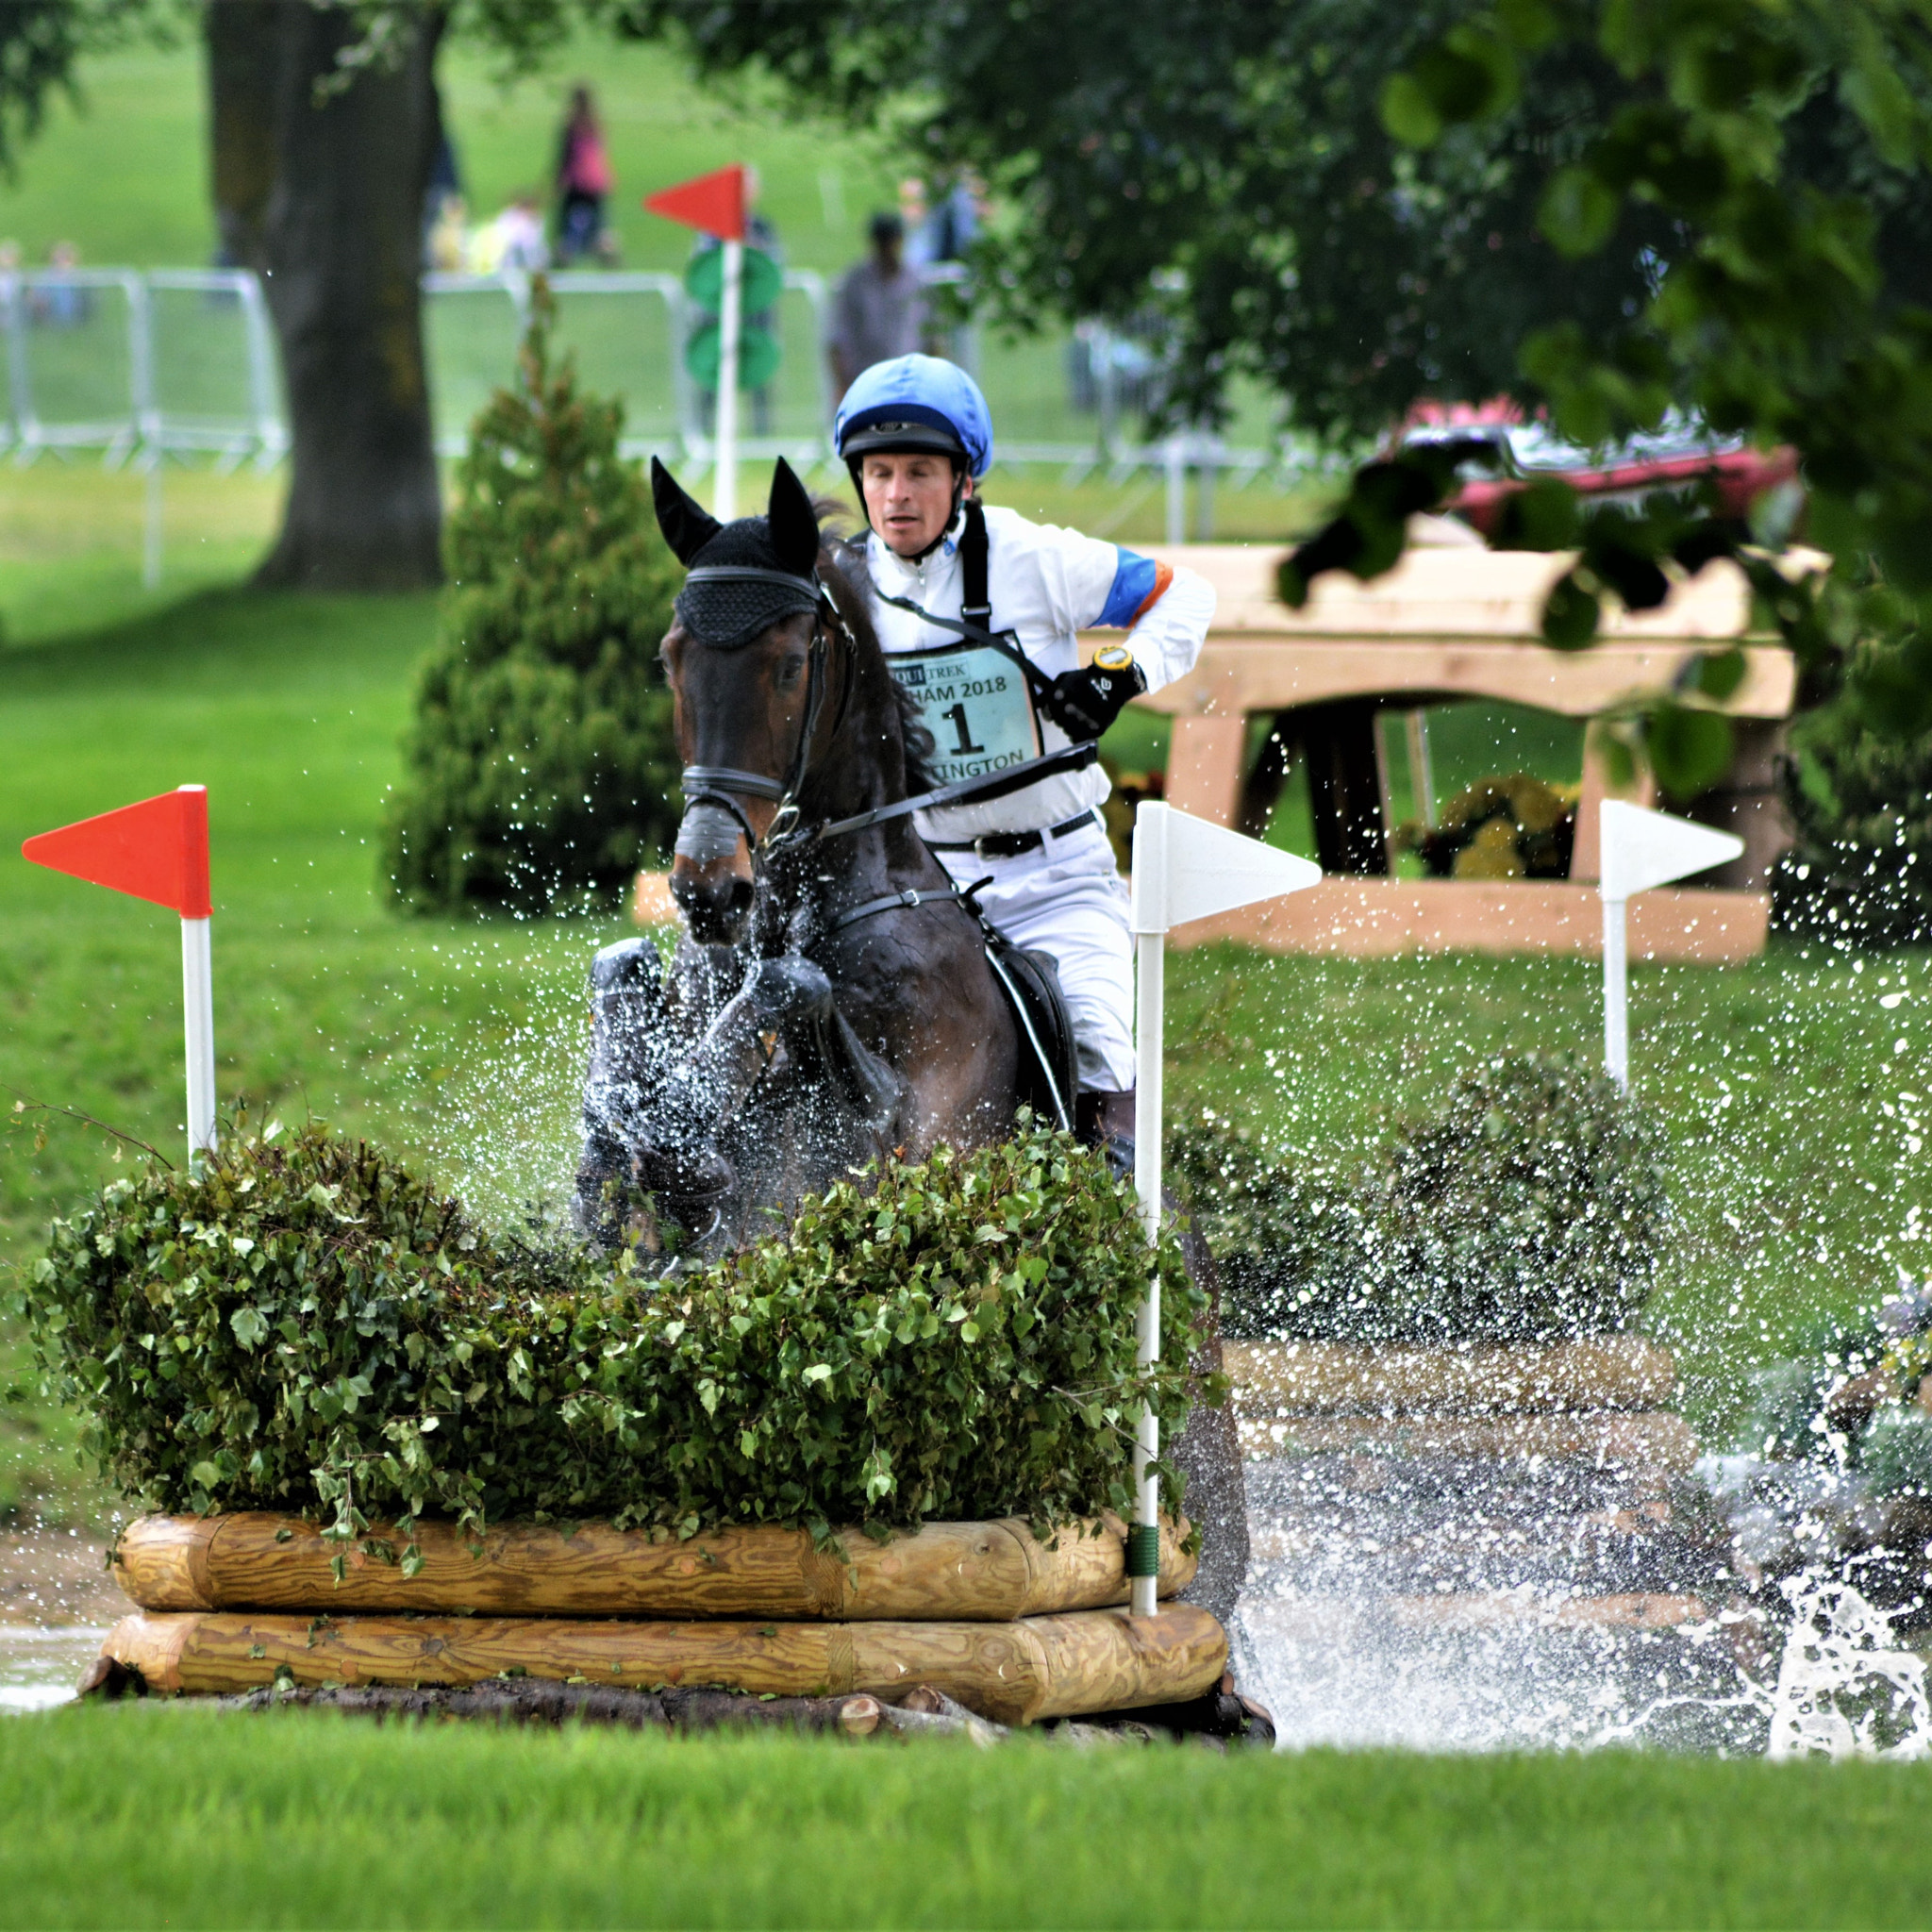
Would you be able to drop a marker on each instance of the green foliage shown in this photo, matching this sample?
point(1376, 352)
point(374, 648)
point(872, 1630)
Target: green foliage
point(307, 1326)
point(1529, 1205)
point(1859, 871)
point(541, 767)
point(1853, 1398)
point(1895, 1457)
point(1514, 827)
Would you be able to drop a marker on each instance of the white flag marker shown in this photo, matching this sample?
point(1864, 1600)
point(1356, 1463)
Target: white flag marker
point(1184, 868)
point(1642, 849)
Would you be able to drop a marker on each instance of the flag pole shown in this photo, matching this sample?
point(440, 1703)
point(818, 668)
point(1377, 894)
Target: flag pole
point(1617, 990)
point(198, 977)
point(1150, 1017)
point(729, 327)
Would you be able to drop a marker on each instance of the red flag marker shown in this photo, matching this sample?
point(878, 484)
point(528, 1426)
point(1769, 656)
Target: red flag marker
point(158, 851)
point(155, 850)
point(714, 203)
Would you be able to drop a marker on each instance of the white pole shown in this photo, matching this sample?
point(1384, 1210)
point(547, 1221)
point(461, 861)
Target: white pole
point(1150, 959)
point(726, 495)
point(198, 1003)
point(1616, 992)
point(151, 528)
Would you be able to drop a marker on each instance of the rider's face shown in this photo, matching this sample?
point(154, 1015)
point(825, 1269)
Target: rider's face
point(908, 499)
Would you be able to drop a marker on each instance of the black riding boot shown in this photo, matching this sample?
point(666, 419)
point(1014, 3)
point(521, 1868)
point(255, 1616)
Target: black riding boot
point(1107, 1121)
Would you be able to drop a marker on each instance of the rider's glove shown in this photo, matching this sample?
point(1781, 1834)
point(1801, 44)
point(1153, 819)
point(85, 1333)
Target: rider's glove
point(1084, 703)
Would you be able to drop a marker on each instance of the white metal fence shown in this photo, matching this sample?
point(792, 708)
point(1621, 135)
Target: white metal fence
point(147, 367)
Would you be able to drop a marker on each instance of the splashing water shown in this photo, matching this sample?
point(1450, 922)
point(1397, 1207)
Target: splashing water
point(1844, 1688)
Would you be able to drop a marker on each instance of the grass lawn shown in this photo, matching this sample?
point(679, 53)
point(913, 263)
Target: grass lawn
point(138, 1816)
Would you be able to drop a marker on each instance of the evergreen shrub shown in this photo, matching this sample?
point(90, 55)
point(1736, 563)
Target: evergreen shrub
point(1528, 1207)
point(309, 1327)
point(540, 770)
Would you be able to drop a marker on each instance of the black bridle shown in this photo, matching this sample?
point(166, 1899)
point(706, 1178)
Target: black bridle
point(722, 785)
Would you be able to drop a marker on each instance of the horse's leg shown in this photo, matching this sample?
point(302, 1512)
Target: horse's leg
point(1207, 1452)
point(626, 1011)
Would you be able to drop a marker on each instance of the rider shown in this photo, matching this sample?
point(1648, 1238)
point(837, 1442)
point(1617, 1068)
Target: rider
point(916, 434)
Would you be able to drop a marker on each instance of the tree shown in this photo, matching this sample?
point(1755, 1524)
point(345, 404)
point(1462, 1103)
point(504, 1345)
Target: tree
point(540, 769)
point(1610, 208)
point(319, 174)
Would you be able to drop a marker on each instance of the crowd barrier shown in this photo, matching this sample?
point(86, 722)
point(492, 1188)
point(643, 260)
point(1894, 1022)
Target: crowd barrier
point(143, 367)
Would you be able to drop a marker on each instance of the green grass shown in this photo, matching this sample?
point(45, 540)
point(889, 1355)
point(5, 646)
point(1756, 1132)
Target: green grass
point(134, 1817)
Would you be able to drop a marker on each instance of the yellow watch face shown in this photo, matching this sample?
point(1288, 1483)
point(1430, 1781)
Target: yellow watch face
point(1113, 658)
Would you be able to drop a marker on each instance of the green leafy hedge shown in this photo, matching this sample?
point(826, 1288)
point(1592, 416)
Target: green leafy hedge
point(1530, 1204)
point(310, 1328)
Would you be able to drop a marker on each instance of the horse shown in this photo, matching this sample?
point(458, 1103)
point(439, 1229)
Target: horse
point(834, 999)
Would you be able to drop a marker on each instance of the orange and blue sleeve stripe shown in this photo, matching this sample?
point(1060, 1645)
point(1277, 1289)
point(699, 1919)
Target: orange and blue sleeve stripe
point(1138, 583)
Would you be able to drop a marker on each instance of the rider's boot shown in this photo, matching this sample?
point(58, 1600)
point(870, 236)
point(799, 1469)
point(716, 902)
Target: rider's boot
point(1107, 1121)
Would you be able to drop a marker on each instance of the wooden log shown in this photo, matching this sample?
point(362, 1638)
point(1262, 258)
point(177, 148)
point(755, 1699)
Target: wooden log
point(1014, 1673)
point(1602, 1372)
point(971, 1571)
point(1609, 1437)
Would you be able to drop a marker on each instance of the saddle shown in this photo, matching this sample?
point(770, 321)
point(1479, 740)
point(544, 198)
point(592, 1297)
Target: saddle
point(1031, 981)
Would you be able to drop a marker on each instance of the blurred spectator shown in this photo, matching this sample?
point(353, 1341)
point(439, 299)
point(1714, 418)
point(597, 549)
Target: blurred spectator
point(917, 244)
point(942, 232)
point(879, 310)
point(583, 180)
point(446, 181)
point(447, 236)
point(512, 242)
point(57, 303)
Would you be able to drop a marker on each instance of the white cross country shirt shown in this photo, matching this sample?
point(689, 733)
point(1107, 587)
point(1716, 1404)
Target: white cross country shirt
point(1045, 585)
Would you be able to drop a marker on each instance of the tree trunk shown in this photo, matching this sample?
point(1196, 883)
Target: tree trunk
point(325, 198)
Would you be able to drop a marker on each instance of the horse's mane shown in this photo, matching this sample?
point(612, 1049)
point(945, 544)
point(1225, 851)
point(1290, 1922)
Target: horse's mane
point(841, 565)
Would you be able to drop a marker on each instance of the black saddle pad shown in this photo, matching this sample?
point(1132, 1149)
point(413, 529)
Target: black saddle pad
point(1049, 1071)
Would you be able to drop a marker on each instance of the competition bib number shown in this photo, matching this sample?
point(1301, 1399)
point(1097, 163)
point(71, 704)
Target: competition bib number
point(974, 702)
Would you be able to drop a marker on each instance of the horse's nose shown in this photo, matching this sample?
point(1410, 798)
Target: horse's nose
point(714, 899)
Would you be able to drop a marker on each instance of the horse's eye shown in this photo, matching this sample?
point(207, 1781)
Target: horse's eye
point(790, 671)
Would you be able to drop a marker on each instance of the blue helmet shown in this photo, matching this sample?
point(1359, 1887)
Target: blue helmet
point(916, 403)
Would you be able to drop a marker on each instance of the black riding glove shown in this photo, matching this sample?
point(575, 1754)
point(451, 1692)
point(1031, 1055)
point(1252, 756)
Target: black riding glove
point(1084, 703)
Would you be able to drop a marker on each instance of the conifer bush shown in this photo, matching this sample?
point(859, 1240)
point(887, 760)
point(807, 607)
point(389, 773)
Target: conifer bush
point(307, 1326)
point(539, 768)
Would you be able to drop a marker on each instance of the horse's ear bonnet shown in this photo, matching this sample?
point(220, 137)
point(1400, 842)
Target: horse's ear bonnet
point(688, 526)
point(743, 576)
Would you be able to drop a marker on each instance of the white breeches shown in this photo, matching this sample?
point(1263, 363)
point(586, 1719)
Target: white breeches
point(1066, 900)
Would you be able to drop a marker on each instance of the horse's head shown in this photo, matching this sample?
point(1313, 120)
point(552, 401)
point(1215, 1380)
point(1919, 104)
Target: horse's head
point(740, 661)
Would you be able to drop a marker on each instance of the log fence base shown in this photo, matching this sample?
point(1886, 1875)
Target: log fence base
point(1015, 1673)
point(991, 1572)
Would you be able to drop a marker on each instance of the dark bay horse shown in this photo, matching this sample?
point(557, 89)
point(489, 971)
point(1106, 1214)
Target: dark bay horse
point(791, 1040)
point(833, 1000)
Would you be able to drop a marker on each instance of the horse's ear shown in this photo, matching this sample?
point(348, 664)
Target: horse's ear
point(687, 524)
point(794, 524)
